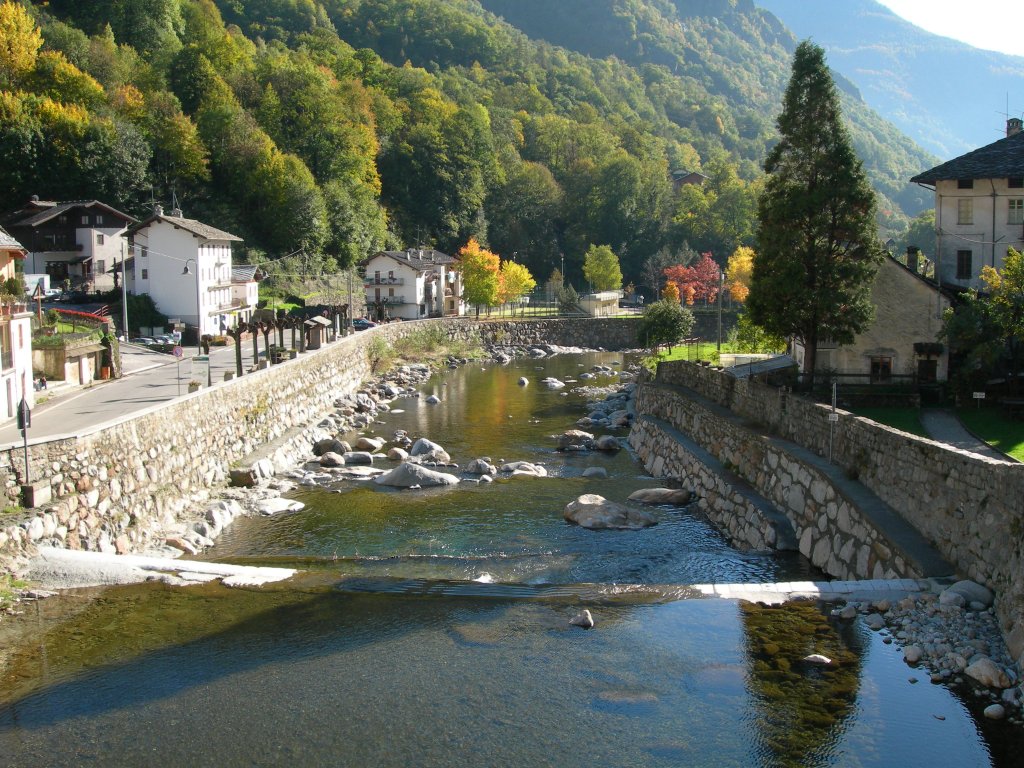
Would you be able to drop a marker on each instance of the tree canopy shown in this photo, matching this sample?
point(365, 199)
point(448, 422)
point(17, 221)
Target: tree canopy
point(817, 250)
point(601, 268)
point(480, 275)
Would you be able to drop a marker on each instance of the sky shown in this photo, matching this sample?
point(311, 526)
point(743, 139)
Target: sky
point(995, 25)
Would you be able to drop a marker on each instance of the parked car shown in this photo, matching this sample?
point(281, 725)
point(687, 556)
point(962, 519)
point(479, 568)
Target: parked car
point(143, 340)
point(361, 324)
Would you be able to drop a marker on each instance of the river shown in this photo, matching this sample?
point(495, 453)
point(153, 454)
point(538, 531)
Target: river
point(431, 628)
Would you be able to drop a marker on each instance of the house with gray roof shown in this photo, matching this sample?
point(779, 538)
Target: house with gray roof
point(16, 374)
point(76, 241)
point(186, 267)
point(412, 284)
point(979, 208)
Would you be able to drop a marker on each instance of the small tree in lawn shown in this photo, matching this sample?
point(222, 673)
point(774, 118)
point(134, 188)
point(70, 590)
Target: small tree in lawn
point(479, 268)
point(514, 282)
point(665, 323)
point(818, 247)
point(601, 268)
point(670, 293)
point(699, 281)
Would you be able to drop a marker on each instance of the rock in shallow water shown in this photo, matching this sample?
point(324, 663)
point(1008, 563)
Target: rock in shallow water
point(593, 511)
point(677, 496)
point(583, 619)
point(407, 475)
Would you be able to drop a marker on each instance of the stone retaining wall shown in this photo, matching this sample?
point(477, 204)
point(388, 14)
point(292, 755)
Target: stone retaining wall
point(119, 486)
point(969, 507)
point(831, 531)
point(719, 499)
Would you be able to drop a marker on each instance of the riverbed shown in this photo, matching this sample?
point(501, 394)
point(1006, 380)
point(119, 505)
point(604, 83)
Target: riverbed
point(431, 628)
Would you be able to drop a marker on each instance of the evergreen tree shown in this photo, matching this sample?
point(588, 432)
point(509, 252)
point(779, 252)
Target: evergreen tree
point(818, 249)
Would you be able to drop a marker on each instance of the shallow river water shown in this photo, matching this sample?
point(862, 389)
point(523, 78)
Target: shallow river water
point(387, 651)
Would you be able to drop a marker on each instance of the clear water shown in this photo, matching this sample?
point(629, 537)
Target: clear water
point(385, 652)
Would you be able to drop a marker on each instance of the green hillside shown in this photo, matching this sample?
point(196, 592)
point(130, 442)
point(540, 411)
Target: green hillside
point(329, 128)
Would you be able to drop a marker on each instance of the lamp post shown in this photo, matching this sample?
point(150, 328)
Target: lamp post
point(721, 290)
point(199, 315)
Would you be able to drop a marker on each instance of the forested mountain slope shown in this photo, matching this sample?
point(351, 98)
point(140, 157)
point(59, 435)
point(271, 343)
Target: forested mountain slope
point(947, 96)
point(329, 128)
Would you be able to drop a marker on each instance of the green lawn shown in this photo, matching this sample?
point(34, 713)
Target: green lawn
point(905, 419)
point(996, 428)
point(693, 352)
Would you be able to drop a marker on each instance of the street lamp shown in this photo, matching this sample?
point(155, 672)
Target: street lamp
point(721, 290)
point(199, 314)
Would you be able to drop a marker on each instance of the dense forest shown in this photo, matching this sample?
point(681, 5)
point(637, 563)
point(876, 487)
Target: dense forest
point(320, 130)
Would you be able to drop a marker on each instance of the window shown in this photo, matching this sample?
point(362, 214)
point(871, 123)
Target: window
point(965, 183)
point(965, 211)
point(1016, 182)
point(99, 219)
point(101, 266)
point(62, 219)
point(964, 267)
point(99, 238)
point(881, 369)
point(145, 274)
point(1016, 212)
point(927, 371)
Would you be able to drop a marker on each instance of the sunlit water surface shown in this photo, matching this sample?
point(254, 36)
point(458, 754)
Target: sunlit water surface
point(388, 651)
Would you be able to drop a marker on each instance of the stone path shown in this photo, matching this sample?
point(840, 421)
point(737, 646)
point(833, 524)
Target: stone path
point(944, 427)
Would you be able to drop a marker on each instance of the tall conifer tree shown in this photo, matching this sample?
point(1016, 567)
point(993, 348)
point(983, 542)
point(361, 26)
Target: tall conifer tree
point(818, 249)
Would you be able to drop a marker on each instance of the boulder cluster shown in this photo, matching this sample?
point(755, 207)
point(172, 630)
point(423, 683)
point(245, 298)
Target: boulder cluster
point(953, 637)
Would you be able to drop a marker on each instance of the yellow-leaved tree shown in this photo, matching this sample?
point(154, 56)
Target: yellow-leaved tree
point(738, 271)
point(480, 279)
point(20, 41)
point(514, 282)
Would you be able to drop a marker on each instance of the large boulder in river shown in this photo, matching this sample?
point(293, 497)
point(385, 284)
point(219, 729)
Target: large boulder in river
point(593, 511)
point(607, 443)
point(358, 457)
point(371, 444)
point(332, 459)
point(426, 450)
point(524, 468)
point(398, 454)
point(408, 475)
point(677, 496)
point(972, 592)
point(575, 440)
point(481, 467)
point(330, 445)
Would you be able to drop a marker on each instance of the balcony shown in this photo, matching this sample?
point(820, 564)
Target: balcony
point(371, 280)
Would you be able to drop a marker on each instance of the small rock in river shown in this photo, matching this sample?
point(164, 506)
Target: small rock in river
point(582, 619)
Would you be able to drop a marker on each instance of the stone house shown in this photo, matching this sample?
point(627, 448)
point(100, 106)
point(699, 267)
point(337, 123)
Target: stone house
point(186, 267)
point(15, 336)
point(78, 241)
point(413, 284)
point(979, 208)
point(901, 344)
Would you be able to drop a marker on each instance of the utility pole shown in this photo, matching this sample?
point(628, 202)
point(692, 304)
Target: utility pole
point(124, 292)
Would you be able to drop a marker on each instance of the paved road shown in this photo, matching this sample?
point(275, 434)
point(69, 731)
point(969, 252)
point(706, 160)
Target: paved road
point(150, 378)
point(943, 426)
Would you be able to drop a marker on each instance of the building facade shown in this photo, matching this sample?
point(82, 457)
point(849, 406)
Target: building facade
point(412, 284)
point(76, 243)
point(16, 379)
point(901, 345)
point(979, 208)
point(186, 267)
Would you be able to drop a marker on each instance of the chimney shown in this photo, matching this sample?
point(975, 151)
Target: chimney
point(158, 210)
point(912, 258)
point(1013, 126)
point(176, 212)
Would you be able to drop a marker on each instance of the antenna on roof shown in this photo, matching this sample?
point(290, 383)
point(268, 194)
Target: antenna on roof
point(175, 210)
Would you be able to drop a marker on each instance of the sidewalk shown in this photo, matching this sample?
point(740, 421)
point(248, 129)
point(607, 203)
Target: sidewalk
point(150, 378)
point(944, 427)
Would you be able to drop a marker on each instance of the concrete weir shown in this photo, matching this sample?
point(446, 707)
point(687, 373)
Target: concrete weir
point(65, 568)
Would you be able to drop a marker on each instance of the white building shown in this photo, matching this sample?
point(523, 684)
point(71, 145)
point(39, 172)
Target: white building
point(77, 241)
point(413, 284)
point(979, 208)
point(185, 266)
point(16, 380)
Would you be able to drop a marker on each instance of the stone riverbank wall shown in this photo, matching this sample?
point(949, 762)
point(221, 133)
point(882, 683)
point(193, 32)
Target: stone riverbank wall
point(117, 487)
point(967, 506)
